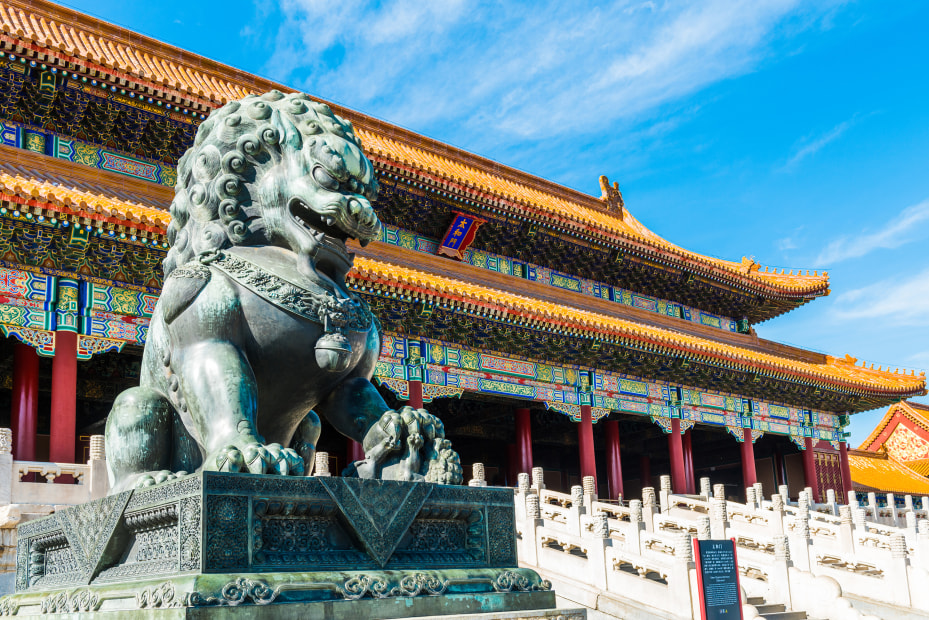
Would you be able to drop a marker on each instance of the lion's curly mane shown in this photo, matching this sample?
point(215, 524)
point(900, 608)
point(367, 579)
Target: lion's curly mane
point(213, 207)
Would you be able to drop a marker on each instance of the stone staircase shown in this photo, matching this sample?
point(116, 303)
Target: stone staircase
point(774, 611)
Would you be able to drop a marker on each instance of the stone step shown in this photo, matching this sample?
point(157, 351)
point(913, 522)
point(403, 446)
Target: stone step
point(785, 615)
point(765, 608)
point(755, 600)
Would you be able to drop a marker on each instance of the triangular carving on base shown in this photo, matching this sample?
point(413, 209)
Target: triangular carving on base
point(89, 528)
point(379, 511)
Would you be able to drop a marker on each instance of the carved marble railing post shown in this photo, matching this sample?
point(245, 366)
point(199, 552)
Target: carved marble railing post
point(523, 490)
point(99, 483)
point(477, 476)
point(598, 541)
point(779, 572)
point(799, 540)
point(533, 521)
point(897, 576)
point(922, 543)
point(636, 526)
point(908, 503)
point(803, 502)
point(925, 504)
point(321, 465)
point(6, 466)
point(777, 516)
point(759, 493)
point(719, 518)
point(589, 484)
point(784, 491)
point(853, 499)
point(704, 532)
point(649, 508)
point(846, 530)
point(892, 508)
point(872, 505)
point(751, 502)
point(706, 489)
point(719, 491)
point(538, 479)
point(910, 530)
point(679, 576)
point(831, 502)
point(577, 510)
point(664, 494)
point(859, 519)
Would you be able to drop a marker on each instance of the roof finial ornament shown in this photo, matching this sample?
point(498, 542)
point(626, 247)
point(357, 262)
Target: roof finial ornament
point(611, 196)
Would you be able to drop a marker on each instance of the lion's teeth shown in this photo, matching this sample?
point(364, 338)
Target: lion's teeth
point(329, 221)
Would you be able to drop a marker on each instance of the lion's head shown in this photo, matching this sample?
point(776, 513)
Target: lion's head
point(277, 170)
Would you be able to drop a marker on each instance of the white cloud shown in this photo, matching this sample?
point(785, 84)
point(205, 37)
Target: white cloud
point(811, 146)
point(903, 301)
point(909, 225)
point(531, 71)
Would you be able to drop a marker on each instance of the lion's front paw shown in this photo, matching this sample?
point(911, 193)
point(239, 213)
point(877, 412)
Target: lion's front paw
point(257, 458)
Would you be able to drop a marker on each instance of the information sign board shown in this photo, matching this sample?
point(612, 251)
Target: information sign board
point(718, 579)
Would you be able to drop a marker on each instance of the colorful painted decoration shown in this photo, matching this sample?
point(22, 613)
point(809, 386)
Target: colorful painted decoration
point(460, 235)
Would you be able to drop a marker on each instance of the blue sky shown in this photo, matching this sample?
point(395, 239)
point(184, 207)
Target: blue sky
point(795, 133)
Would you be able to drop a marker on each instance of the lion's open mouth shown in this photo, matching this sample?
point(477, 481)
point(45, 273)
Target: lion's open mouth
point(318, 226)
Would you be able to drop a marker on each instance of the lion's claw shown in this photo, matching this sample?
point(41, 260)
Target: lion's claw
point(157, 477)
point(257, 458)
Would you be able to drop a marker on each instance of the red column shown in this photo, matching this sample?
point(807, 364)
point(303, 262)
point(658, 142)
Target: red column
point(846, 471)
point(416, 395)
point(645, 471)
point(749, 475)
point(689, 462)
point(676, 448)
point(64, 398)
point(585, 436)
point(809, 469)
point(25, 401)
point(614, 462)
point(354, 451)
point(523, 440)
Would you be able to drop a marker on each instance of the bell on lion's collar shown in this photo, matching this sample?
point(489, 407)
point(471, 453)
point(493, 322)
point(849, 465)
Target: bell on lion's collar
point(333, 352)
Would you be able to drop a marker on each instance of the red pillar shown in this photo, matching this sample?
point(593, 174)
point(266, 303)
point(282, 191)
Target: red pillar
point(64, 398)
point(354, 451)
point(613, 458)
point(645, 471)
point(416, 395)
point(585, 436)
point(809, 468)
point(846, 471)
point(689, 462)
point(523, 440)
point(25, 402)
point(749, 475)
point(676, 448)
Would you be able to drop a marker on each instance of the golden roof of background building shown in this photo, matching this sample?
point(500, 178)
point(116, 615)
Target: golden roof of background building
point(917, 413)
point(874, 471)
point(180, 76)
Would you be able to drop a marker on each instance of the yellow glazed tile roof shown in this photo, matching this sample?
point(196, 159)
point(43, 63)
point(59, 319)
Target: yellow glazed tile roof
point(883, 473)
point(572, 213)
point(178, 72)
point(844, 373)
point(919, 466)
point(29, 186)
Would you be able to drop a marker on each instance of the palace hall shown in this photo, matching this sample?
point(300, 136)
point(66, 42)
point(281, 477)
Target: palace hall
point(545, 327)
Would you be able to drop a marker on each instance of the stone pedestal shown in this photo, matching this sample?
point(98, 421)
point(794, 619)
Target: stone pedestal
point(281, 547)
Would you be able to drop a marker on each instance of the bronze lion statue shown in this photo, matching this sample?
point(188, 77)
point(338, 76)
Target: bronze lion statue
point(255, 334)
